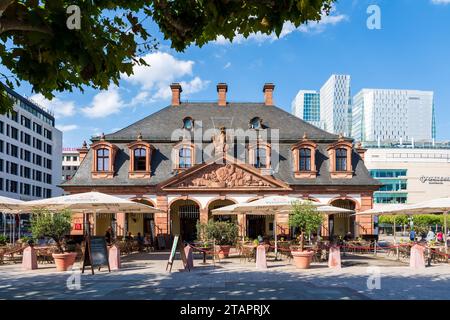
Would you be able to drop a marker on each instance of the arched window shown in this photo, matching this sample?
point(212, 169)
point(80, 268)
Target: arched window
point(341, 159)
point(260, 158)
point(103, 159)
point(140, 159)
point(188, 123)
point(255, 123)
point(305, 159)
point(185, 158)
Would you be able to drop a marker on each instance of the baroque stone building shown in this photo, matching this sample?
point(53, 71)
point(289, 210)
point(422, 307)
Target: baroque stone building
point(190, 158)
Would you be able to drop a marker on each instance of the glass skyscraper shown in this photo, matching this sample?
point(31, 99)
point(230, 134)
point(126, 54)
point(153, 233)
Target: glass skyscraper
point(393, 115)
point(306, 106)
point(335, 104)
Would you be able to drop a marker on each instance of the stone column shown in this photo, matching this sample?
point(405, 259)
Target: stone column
point(365, 222)
point(204, 215)
point(241, 219)
point(120, 224)
point(161, 221)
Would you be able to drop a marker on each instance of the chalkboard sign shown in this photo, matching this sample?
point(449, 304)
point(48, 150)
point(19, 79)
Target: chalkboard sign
point(161, 242)
point(95, 253)
point(177, 243)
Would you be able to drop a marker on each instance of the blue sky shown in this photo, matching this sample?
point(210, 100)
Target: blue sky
point(411, 51)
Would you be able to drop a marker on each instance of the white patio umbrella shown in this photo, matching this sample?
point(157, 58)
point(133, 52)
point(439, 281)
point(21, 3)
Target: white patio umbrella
point(440, 205)
point(95, 202)
point(10, 206)
point(272, 205)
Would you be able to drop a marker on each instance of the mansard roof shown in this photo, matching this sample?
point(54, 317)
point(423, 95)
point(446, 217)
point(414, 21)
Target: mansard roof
point(160, 125)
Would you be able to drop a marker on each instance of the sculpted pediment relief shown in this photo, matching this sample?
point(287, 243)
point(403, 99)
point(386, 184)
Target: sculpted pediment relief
point(225, 176)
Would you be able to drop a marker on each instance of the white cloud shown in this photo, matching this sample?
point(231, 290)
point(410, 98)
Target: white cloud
point(227, 65)
point(59, 107)
point(193, 86)
point(440, 1)
point(66, 128)
point(104, 104)
point(154, 80)
point(288, 28)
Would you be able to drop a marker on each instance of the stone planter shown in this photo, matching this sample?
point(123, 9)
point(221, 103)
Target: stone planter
point(64, 261)
point(302, 259)
point(224, 251)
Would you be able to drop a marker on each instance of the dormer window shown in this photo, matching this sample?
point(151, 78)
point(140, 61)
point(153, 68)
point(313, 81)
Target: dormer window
point(304, 159)
point(255, 123)
point(340, 155)
point(259, 155)
point(341, 159)
point(183, 155)
point(140, 159)
point(185, 158)
point(102, 160)
point(260, 158)
point(104, 156)
point(188, 123)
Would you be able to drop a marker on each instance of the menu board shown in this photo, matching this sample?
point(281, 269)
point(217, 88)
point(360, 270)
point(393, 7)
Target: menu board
point(95, 253)
point(177, 243)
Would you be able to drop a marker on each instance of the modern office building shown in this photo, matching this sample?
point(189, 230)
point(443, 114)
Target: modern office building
point(246, 151)
point(409, 174)
point(335, 105)
point(393, 115)
point(70, 162)
point(30, 152)
point(306, 106)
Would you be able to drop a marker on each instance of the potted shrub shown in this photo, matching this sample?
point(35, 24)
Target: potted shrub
point(308, 220)
point(224, 234)
point(56, 226)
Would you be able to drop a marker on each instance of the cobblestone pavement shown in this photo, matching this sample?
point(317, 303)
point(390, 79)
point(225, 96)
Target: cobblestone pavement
point(144, 277)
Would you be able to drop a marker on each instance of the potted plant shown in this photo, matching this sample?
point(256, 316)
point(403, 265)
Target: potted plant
point(224, 234)
point(55, 225)
point(307, 219)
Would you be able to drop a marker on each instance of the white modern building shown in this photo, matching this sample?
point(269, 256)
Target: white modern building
point(410, 174)
point(393, 115)
point(306, 106)
point(70, 162)
point(30, 152)
point(335, 104)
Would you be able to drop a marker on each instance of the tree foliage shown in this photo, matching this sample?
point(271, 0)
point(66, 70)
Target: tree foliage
point(423, 220)
point(37, 46)
point(224, 233)
point(54, 225)
point(305, 217)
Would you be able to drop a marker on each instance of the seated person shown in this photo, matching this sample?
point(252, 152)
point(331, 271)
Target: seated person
point(129, 237)
point(348, 236)
point(140, 241)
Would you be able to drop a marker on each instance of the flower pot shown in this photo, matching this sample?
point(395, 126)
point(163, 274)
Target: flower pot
point(302, 259)
point(224, 251)
point(64, 261)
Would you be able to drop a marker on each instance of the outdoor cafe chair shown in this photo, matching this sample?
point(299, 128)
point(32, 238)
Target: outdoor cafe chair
point(248, 253)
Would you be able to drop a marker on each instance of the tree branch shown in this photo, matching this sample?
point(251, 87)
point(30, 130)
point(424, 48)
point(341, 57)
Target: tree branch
point(15, 25)
point(4, 4)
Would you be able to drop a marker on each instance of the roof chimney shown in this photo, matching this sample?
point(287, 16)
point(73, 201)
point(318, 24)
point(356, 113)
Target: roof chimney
point(176, 92)
point(268, 93)
point(222, 89)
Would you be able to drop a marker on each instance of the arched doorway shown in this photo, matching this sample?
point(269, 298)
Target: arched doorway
point(143, 223)
point(184, 215)
point(342, 223)
point(219, 203)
